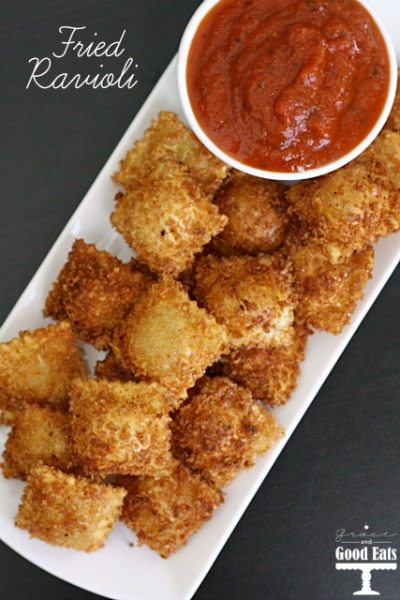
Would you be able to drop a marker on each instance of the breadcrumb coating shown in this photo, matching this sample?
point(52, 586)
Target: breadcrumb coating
point(343, 208)
point(168, 138)
point(166, 218)
point(251, 295)
point(38, 435)
point(167, 338)
point(120, 427)
point(110, 368)
point(37, 367)
point(165, 512)
point(328, 292)
point(270, 374)
point(69, 511)
point(257, 215)
point(95, 290)
point(222, 430)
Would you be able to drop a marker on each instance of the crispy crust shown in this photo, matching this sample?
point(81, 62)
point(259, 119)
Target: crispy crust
point(64, 510)
point(328, 292)
point(270, 374)
point(110, 368)
point(38, 435)
point(167, 338)
point(344, 208)
point(168, 138)
point(165, 512)
point(166, 218)
point(37, 367)
point(95, 290)
point(251, 295)
point(256, 212)
point(222, 430)
point(120, 427)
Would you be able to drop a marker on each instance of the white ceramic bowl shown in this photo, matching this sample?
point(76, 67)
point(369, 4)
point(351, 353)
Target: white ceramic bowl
point(184, 48)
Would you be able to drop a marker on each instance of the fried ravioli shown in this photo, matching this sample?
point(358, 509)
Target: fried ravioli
point(165, 512)
point(222, 430)
point(68, 511)
point(270, 374)
point(169, 139)
point(167, 338)
point(37, 367)
point(95, 290)
point(256, 212)
point(120, 427)
point(38, 435)
point(166, 218)
point(251, 295)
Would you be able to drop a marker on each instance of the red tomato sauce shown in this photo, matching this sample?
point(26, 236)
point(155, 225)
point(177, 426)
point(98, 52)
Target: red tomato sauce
point(287, 85)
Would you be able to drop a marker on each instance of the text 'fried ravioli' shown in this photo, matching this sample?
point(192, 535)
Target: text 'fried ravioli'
point(167, 338)
point(164, 512)
point(251, 295)
point(222, 430)
point(37, 367)
point(38, 435)
point(94, 291)
point(168, 138)
point(120, 427)
point(68, 511)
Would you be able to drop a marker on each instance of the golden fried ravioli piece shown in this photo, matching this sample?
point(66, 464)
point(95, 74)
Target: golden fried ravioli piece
point(120, 427)
point(393, 122)
point(65, 510)
point(251, 295)
point(167, 338)
point(110, 368)
point(166, 218)
point(95, 290)
point(269, 373)
point(256, 212)
point(165, 512)
point(38, 435)
point(344, 208)
point(328, 293)
point(383, 160)
point(222, 430)
point(37, 367)
point(169, 138)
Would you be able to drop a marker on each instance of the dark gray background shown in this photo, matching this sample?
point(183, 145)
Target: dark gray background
point(340, 468)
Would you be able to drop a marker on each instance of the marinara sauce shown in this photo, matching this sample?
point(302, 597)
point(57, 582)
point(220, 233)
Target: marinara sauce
point(287, 85)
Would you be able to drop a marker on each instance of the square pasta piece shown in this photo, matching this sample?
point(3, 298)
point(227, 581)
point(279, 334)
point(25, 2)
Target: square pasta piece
point(37, 367)
point(38, 435)
point(165, 512)
point(167, 219)
point(270, 374)
point(253, 296)
point(95, 290)
point(169, 138)
point(169, 339)
point(120, 427)
point(222, 430)
point(69, 511)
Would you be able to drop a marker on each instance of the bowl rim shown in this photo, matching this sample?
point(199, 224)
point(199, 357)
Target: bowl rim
point(183, 54)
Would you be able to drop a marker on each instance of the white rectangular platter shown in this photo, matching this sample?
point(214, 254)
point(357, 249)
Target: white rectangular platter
point(119, 571)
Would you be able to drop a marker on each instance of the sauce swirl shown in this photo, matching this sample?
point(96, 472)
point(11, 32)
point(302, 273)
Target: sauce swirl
point(287, 85)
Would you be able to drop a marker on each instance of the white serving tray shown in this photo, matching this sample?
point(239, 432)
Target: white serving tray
point(119, 571)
